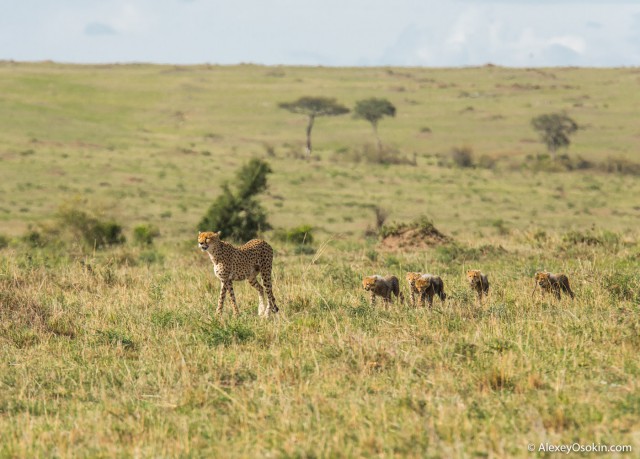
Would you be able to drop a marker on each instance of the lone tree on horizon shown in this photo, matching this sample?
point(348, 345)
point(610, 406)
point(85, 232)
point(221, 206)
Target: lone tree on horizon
point(314, 107)
point(373, 110)
point(554, 130)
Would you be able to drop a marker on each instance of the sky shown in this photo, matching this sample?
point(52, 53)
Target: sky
point(429, 33)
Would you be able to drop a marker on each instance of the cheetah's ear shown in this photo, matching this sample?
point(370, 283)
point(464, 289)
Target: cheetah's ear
point(219, 233)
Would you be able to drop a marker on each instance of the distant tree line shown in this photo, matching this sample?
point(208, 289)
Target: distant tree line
point(554, 128)
point(371, 110)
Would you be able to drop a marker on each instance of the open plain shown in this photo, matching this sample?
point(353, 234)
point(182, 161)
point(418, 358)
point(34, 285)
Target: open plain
point(116, 351)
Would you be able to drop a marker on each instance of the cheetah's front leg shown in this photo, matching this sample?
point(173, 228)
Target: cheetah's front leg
point(223, 293)
point(236, 311)
point(372, 300)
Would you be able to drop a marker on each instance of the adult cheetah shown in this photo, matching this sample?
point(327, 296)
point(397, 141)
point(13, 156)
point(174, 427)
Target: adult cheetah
point(232, 263)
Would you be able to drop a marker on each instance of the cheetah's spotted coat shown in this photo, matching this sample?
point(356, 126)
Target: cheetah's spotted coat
point(232, 263)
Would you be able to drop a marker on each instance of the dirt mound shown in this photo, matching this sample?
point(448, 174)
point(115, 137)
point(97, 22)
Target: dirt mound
point(418, 235)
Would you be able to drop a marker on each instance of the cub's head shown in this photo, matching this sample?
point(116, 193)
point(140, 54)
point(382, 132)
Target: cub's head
point(474, 276)
point(207, 238)
point(423, 283)
point(412, 277)
point(369, 282)
point(542, 279)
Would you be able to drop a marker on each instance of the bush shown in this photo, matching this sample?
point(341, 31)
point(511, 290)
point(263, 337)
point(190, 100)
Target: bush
point(590, 237)
point(544, 163)
point(298, 235)
point(238, 214)
point(620, 166)
point(145, 234)
point(34, 237)
point(462, 157)
point(4, 241)
point(372, 154)
point(96, 233)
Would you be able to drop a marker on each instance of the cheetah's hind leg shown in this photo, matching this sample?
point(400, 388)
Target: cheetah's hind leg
point(271, 300)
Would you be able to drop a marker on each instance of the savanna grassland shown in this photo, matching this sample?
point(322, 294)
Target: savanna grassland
point(115, 351)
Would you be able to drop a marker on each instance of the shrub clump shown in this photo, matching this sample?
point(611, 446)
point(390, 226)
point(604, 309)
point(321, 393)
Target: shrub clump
point(590, 237)
point(462, 157)
point(302, 234)
point(92, 230)
point(369, 153)
point(237, 213)
point(145, 234)
point(563, 163)
point(620, 166)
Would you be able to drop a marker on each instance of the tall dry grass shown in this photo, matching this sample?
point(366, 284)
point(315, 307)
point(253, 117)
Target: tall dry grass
point(108, 355)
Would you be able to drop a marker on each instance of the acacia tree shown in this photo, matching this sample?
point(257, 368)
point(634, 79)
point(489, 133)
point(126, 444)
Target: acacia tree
point(554, 130)
point(314, 107)
point(373, 110)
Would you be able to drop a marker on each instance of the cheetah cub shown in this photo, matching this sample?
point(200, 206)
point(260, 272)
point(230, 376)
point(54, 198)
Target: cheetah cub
point(382, 286)
point(478, 282)
point(553, 283)
point(413, 291)
point(428, 286)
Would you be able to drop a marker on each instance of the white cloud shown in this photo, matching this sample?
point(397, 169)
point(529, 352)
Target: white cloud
point(99, 28)
point(519, 35)
point(325, 32)
point(574, 43)
point(127, 18)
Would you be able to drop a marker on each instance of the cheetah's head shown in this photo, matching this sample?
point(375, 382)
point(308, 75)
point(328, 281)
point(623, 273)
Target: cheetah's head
point(205, 239)
point(412, 277)
point(542, 279)
point(369, 282)
point(474, 276)
point(423, 283)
